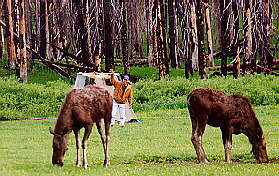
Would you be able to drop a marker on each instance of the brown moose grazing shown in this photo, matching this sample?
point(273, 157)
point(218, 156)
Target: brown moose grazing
point(82, 108)
point(232, 113)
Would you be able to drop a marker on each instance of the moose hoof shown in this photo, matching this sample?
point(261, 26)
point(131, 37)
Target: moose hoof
point(106, 164)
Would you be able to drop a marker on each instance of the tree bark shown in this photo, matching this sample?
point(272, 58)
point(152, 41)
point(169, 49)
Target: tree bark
point(124, 39)
point(11, 51)
point(160, 56)
point(224, 34)
point(108, 34)
point(236, 49)
point(247, 35)
point(200, 30)
point(1, 31)
point(22, 42)
point(172, 34)
point(42, 27)
point(194, 32)
point(209, 33)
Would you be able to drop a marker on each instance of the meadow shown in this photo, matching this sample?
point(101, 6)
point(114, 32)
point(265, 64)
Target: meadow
point(155, 146)
point(159, 146)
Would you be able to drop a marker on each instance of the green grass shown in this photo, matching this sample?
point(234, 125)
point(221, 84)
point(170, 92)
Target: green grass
point(152, 147)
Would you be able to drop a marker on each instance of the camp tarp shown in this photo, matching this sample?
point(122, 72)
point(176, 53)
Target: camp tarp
point(83, 79)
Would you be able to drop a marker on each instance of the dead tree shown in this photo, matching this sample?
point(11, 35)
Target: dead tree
point(108, 52)
point(172, 34)
point(200, 30)
point(224, 8)
point(1, 31)
point(22, 42)
point(124, 38)
point(11, 50)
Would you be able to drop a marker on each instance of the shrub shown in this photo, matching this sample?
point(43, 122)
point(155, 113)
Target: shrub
point(171, 93)
point(26, 100)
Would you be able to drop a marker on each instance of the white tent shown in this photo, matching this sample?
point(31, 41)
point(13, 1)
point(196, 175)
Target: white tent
point(83, 79)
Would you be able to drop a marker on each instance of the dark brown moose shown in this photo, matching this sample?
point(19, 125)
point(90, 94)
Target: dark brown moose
point(232, 113)
point(82, 108)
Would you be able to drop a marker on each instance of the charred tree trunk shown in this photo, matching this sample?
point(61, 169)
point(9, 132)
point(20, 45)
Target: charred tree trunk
point(82, 43)
point(108, 34)
point(236, 49)
point(124, 39)
point(266, 32)
point(194, 32)
point(42, 26)
point(209, 33)
point(11, 51)
point(172, 34)
point(200, 27)
point(224, 34)
point(247, 35)
point(22, 42)
point(164, 35)
point(160, 56)
point(1, 31)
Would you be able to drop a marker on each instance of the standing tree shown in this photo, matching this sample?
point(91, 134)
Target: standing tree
point(172, 34)
point(108, 52)
point(1, 31)
point(235, 45)
point(11, 51)
point(160, 54)
point(224, 9)
point(22, 42)
point(43, 28)
point(200, 27)
point(124, 38)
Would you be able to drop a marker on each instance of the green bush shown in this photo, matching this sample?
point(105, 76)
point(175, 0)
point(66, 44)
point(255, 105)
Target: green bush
point(30, 100)
point(171, 93)
point(45, 100)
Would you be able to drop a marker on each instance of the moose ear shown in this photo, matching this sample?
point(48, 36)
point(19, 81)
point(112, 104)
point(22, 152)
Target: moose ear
point(51, 131)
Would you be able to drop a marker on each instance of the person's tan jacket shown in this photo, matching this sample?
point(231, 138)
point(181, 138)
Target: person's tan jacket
point(122, 93)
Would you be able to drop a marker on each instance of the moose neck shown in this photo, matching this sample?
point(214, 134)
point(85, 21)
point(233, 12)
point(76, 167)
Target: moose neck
point(64, 122)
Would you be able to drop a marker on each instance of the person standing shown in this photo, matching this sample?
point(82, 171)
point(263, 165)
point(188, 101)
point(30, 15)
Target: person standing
point(122, 93)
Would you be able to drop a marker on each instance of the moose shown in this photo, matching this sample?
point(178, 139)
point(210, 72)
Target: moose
point(82, 108)
point(232, 113)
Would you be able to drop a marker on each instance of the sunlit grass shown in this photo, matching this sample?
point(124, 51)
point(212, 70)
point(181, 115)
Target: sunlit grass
point(159, 146)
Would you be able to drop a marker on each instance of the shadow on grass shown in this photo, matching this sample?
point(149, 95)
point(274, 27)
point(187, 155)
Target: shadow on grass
point(245, 158)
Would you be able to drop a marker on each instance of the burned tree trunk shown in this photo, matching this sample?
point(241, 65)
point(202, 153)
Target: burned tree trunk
point(209, 33)
point(108, 34)
point(235, 45)
point(200, 27)
point(11, 51)
point(1, 31)
point(224, 34)
point(22, 43)
point(42, 27)
point(172, 34)
point(247, 35)
point(194, 32)
point(160, 55)
point(82, 34)
point(124, 39)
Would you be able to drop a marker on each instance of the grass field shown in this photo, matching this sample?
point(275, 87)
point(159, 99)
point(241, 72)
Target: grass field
point(152, 147)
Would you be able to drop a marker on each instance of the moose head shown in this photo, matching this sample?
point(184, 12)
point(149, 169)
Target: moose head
point(59, 146)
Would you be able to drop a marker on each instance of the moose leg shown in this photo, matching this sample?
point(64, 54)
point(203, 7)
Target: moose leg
point(197, 132)
point(78, 144)
point(87, 133)
point(104, 141)
point(227, 141)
